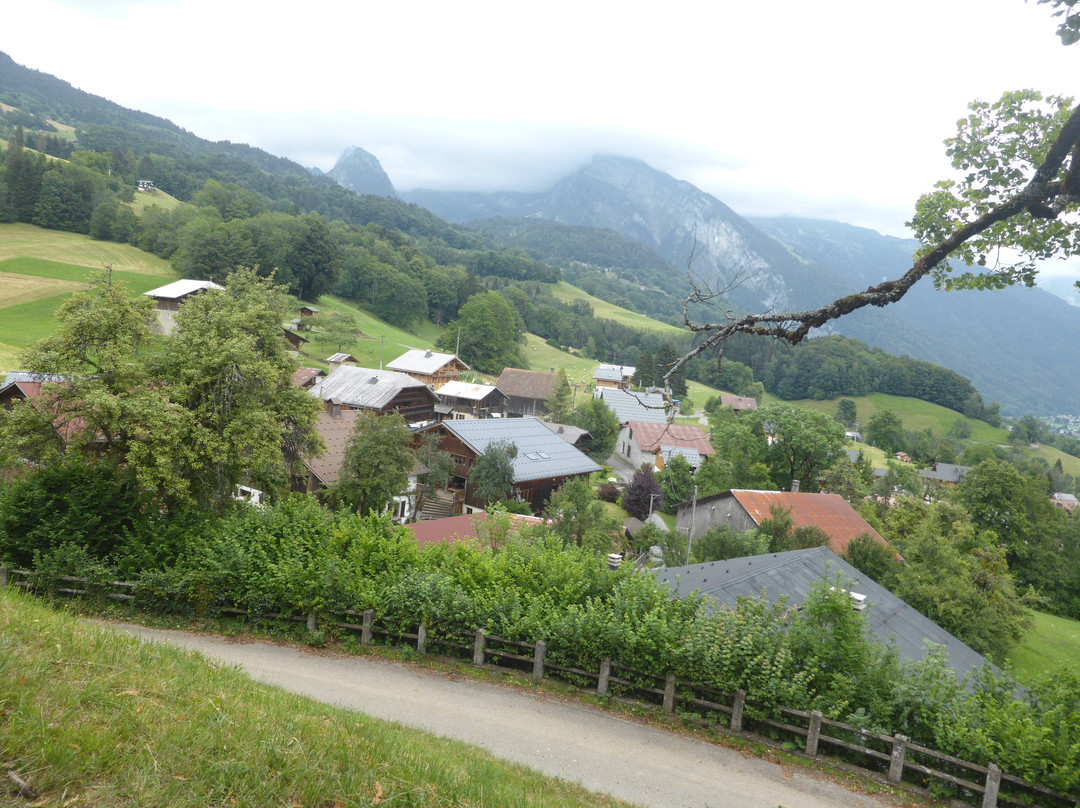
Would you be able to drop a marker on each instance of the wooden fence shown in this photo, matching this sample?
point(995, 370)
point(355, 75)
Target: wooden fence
point(893, 757)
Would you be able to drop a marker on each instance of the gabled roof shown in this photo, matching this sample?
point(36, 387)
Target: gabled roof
point(468, 391)
point(460, 528)
point(692, 456)
point(640, 407)
point(304, 376)
point(541, 453)
point(651, 437)
point(335, 432)
point(945, 473)
point(364, 387)
point(536, 384)
point(33, 392)
point(568, 432)
point(738, 402)
point(423, 362)
point(793, 573)
point(613, 373)
point(830, 512)
point(30, 376)
point(181, 288)
point(340, 357)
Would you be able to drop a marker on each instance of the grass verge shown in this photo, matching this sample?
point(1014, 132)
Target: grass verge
point(94, 718)
point(1051, 643)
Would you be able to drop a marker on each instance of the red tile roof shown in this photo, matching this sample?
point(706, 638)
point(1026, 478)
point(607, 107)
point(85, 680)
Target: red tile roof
point(458, 528)
point(830, 512)
point(651, 437)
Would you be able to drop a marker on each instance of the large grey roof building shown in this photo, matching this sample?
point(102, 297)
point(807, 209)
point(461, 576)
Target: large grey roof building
point(351, 387)
point(647, 408)
point(794, 573)
point(541, 452)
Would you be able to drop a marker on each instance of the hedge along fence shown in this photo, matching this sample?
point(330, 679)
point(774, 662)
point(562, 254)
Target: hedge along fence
point(895, 758)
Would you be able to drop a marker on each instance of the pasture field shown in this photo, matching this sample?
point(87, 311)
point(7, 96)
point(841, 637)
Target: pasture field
point(28, 241)
point(609, 311)
point(1052, 642)
point(377, 336)
point(96, 718)
point(142, 201)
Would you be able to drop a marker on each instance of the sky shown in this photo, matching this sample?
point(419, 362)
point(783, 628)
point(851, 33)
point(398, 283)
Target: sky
point(834, 109)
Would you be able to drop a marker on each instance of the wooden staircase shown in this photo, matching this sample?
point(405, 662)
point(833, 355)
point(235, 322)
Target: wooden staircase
point(437, 506)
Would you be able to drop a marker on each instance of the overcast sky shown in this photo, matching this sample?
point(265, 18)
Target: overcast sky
point(833, 109)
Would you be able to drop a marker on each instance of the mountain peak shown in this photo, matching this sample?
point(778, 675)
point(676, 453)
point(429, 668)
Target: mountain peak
point(360, 172)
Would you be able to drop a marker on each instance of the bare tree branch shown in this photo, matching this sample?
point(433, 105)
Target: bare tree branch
point(1042, 196)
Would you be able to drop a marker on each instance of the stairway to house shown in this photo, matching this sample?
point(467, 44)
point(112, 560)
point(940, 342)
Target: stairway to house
point(438, 506)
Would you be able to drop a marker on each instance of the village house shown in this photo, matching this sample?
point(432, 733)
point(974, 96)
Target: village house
point(309, 311)
point(615, 377)
point(741, 510)
point(738, 403)
point(793, 576)
point(320, 473)
point(544, 460)
point(167, 300)
point(340, 360)
point(384, 391)
point(528, 391)
point(463, 400)
point(645, 408)
point(307, 377)
point(433, 369)
point(657, 443)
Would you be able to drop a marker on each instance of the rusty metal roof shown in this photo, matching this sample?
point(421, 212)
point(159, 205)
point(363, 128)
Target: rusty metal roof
point(830, 512)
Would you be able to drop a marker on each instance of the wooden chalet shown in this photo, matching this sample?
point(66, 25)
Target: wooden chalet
point(462, 400)
point(168, 298)
point(544, 459)
point(527, 391)
point(384, 391)
point(433, 369)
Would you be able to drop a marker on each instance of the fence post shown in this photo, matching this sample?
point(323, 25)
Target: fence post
point(312, 623)
point(365, 627)
point(993, 783)
point(538, 659)
point(669, 694)
point(813, 733)
point(896, 762)
point(478, 648)
point(605, 674)
point(421, 639)
point(737, 710)
point(4, 573)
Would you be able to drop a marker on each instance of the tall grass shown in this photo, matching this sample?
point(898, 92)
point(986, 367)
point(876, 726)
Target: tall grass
point(95, 718)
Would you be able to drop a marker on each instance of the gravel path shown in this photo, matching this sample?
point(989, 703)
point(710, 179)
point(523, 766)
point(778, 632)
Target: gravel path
point(603, 752)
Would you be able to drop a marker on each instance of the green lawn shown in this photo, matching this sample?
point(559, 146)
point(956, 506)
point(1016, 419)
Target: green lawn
point(28, 241)
point(1052, 642)
point(94, 718)
point(609, 311)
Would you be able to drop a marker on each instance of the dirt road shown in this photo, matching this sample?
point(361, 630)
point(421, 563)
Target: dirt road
point(602, 752)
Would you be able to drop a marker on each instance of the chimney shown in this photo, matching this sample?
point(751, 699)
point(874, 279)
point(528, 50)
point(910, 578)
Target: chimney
point(427, 355)
point(794, 486)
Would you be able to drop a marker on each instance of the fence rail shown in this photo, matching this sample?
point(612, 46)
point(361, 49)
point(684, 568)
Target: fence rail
point(812, 728)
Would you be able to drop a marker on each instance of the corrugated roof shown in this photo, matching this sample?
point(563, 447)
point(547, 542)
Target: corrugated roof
point(30, 376)
point(692, 456)
point(653, 436)
point(536, 384)
point(181, 288)
point(642, 407)
point(364, 387)
point(613, 373)
point(421, 361)
point(568, 432)
point(830, 512)
point(541, 453)
point(793, 573)
point(467, 391)
point(738, 402)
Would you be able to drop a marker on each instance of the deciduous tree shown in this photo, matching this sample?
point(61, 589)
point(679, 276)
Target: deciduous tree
point(376, 465)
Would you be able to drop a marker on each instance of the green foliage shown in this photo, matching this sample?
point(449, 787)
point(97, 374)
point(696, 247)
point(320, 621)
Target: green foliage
point(997, 149)
point(490, 336)
point(845, 412)
point(886, 431)
point(603, 427)
point(579, 517)
point(643, 494)
point(560, 403)
point(376, 464)
point(871, 557)
point(677, 483)
point(492, 475)
point(721, 543)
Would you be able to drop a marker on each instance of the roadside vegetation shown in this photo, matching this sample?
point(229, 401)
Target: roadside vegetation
point(96, 718)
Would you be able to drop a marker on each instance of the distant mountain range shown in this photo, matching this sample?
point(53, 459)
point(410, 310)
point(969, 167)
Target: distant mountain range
point(1018, 345)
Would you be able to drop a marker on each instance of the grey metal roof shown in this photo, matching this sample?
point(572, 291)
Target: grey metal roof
point(363, 387)
point(613, 373)
point(645, 407)
point(691, 455)
point(30, 376)
point(181, 288)
point(541, 453)
point(945, 472)
point(467, 391)
point(793, 574)
point(421, 361)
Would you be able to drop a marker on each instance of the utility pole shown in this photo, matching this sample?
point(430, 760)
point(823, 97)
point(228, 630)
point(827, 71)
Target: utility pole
point(382, 344)
point(690, 534)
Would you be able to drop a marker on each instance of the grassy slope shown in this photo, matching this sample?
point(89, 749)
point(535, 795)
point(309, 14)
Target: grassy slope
point(142, 201)
point(95, 718)
point(1052, 642)
point(609, 311)
point(40, 268)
